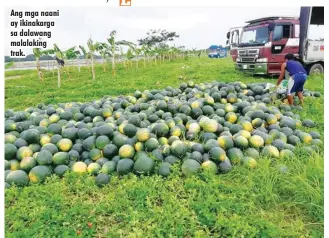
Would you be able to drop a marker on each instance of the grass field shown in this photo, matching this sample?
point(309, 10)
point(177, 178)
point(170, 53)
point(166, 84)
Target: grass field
point(243, 203)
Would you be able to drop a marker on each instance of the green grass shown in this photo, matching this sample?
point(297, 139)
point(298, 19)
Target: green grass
point(9, 64)
point(29, 91)
point(243, 203)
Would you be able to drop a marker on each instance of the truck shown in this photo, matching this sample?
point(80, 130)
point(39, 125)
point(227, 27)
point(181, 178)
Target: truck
point(262, 44)
point(217, 51)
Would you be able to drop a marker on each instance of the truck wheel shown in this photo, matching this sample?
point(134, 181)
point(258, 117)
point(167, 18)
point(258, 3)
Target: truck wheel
point(316, 69)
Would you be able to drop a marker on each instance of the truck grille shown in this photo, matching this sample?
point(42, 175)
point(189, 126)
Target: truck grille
point(248, 52)
point(247, 59)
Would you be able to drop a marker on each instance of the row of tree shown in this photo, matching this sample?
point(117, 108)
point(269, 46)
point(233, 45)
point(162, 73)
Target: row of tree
point(154, 47)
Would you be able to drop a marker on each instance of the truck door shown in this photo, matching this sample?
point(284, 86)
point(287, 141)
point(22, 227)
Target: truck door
point(283, 43)
point(233, 41)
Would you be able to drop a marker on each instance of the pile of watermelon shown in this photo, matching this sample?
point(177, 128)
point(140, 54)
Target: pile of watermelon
point(211, 126)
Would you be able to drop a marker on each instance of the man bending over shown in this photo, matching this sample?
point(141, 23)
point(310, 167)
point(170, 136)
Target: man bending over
point(297, 77)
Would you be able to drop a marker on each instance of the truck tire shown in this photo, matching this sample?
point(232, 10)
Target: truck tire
point(316, 69)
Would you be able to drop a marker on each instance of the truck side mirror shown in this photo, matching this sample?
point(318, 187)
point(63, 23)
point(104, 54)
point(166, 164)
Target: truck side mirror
point(227, 42)
point(228, 35)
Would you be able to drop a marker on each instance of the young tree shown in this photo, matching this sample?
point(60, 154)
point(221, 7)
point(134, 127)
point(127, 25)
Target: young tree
point(130, 55)
point(92, 49)
point(37, 54)
point(146, 51)
point(113, 48)
point(49, 53)
point(60, 63)
point(104, 50)
point(122, 56)
point(86, 55)
point(70, 54)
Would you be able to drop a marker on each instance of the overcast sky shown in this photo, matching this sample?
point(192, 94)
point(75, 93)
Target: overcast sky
point(198, 27)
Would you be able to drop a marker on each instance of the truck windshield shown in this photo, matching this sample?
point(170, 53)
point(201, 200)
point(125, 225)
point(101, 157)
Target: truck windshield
point(255, 36)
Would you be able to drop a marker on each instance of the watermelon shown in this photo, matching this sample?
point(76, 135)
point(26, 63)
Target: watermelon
point(225, 142)
point(95, 154)
point(249, 162)
point(101, 142)
point(308, 123)
point(50, 147)
point(305, 137)
point(178, 148)
point(271, 119)
point(27, 163)
point(93, 168)
point(160, 129)
point(102, 179)
point(20, 143)
point(240, 142)
point(235, 155)
point(31, 136)
point(64, 145)
point(209, 125)
point(210, 167)
point(171, 159)
point(225, 166)
point(10, 151)
point(231, 117)
point(144, 165)
point(125, 166)
point(130, 130)
point(190, 167)
point(17, 177)
point(7, 165)
point(271, 151)
point(126, 151)
point(60, 158)
point(256, 141)
point(286, 154)
point(109, 167)
point(217, 154)
point(22, 152)
point(14, 164)
point(39, 174)
point(164, 169)
point(10, 138)
point(60, 170)
point(151, 144)
point(251, 152)
point(35, 147)
point(79, 168)
point(110, 150)
point(247, 126)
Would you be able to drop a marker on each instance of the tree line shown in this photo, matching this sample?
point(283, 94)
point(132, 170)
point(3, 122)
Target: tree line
point(155, 48)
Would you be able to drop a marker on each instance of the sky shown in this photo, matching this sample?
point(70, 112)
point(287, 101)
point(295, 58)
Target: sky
point(198, 27)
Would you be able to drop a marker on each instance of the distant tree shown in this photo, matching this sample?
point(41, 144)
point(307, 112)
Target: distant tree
point(92, 49)
point(104, 50)
point(60, 63)
point(86, 55)
point(158, 37)
point(37, 54)
point(70, 54)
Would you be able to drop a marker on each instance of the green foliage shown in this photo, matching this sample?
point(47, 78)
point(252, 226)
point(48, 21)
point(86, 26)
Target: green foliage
point(259, 203)
point(9, 64)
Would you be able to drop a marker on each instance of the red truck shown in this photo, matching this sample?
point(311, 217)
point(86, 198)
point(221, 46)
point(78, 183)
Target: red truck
point(260, 46)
